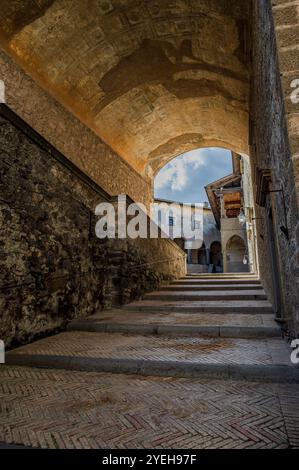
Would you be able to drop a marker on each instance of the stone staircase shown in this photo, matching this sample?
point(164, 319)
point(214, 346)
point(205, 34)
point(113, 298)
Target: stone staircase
point(212, 326)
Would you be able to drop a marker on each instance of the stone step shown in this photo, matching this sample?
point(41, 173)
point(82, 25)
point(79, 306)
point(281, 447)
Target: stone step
point(195, 295)
point(214, 306)
point(208, 287)
point(176, 318)
point(226, 358)
point(214, 282)
point(179, 324)
point(177, 330)
point(221, 277)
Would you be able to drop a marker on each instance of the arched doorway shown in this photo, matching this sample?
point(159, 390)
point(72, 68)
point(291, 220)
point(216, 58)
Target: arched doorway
point(235, 253)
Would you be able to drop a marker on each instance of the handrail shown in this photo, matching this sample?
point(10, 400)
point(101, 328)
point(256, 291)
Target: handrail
point(163, 260)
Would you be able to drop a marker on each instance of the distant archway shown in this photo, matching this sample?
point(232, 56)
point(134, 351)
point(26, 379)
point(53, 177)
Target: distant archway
point(235, 253)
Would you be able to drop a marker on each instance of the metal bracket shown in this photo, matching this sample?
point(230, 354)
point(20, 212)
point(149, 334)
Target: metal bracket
point(283, 228)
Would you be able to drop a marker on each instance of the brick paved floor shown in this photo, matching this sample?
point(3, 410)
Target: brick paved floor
point(67, 409)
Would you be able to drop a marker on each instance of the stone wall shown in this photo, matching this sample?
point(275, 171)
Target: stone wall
point(141, 265)
point(52, 267)
point(286, 22)
point(249, 208)
point(72, 138)
point(270, 150)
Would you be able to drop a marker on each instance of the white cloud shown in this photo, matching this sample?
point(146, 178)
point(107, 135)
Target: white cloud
point(176, 174)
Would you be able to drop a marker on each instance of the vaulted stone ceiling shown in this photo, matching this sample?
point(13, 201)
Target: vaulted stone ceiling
point(153, 78)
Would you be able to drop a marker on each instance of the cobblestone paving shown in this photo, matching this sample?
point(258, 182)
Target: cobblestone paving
point(67, 409)
point(195, 350)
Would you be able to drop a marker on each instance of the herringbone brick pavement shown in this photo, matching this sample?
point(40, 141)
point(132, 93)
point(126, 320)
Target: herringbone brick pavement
point(68, 409)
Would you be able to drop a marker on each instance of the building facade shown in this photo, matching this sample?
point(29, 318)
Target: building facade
point(203, 255)
point(231, 202)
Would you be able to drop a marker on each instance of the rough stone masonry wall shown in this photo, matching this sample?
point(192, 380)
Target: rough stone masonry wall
point(286, 22)
point(141, 265)
point(72, 138)
point(270, 149)
point(52, 267)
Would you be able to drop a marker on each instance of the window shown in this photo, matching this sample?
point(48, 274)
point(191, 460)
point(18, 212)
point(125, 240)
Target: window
point(171, 221)
point(196, 224)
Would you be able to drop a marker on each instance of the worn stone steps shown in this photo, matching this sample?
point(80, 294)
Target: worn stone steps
point(265, 360)
point(120, 315)
point(179, 324)
point(195, 306)
point(222, 277)
point(214, 282)
point(195, 295)
point(190, 335)
point(178, 330)
point(211, 288)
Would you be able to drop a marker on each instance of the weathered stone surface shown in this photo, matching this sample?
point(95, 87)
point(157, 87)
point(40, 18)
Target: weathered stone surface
point(48, 271)
point(52, 267)
point(271, 149)
point(286, 21)
point(69, 135)
point(140, 68)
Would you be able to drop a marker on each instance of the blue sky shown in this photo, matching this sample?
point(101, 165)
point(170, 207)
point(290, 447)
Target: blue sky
point(184, 178)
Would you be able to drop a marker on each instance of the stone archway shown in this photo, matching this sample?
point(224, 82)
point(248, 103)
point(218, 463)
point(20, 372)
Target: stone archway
point(175, 72)
point(235, 252)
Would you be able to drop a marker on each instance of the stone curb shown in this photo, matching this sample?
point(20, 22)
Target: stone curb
point(260, 373)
